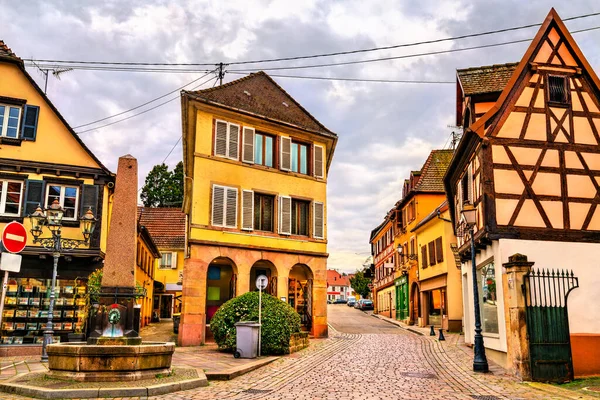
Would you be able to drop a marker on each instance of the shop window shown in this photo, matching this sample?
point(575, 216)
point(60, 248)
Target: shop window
point(10, 197)
point(67, 197)
point(488, 298)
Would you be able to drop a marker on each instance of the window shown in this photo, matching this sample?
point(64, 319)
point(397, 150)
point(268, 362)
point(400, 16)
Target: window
point(299, 158)
point(300, 211)
point(424, 256)
point(227, 136)
point(439, 250)
point(10, 197)
point(224, 206)
point(264, 208)
point(487, 298)
point(467, 188)
point(431, 249)
point(9, 121)
point(67, 197)
point(165, 261)
point(557, 89)
point(264, 149)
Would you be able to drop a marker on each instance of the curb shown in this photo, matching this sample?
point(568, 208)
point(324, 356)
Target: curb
point(228, 374)
point(153, 390)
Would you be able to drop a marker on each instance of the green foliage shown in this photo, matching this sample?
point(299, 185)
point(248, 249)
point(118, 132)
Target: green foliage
point(163, 188)
point(94, 284)
point(279, 321)
point(360, 284)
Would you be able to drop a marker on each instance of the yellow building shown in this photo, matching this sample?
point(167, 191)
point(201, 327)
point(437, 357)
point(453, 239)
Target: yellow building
point(167, 228)
point(146, 255)
point(256, 165)
point(384, 259)
point(439, 276)
point(43, 160)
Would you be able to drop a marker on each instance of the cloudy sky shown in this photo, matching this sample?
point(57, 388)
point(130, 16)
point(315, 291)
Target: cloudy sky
point(385, 129)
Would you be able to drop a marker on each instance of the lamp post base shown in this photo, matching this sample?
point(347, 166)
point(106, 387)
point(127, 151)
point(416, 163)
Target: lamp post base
point(480, 366)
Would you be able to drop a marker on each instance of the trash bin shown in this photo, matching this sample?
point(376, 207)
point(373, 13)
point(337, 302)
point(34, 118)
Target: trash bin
point(246, 339)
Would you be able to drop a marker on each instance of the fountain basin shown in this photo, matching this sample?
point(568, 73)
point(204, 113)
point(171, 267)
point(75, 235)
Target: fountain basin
point(108, 363)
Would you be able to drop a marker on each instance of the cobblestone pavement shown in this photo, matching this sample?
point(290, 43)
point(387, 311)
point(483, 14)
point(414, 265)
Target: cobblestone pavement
point(391, 363)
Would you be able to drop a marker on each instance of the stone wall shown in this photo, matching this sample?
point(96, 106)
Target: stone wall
point(298, 341)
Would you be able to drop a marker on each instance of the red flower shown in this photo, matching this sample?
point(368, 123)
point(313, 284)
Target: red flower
point(114, 306)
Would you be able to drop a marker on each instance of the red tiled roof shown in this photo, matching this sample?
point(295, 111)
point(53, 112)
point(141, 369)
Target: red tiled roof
point(6, 52)
point(485, 79)
point(259, 94)
point(433, 171)
point(334, 278)
point(166, 226)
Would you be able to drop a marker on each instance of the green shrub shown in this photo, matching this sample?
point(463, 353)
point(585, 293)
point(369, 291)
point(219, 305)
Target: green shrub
point(279, 321)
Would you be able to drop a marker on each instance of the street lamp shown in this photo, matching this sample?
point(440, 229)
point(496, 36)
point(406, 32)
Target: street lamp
point(52, 218)
point(480, 364)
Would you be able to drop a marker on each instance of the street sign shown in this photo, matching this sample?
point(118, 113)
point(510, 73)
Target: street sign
point(10, 262)
point(14, 237)
point(261, 282)
point(370, 286)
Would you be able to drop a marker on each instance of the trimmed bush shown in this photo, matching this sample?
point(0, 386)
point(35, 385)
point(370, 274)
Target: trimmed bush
point(279, 321)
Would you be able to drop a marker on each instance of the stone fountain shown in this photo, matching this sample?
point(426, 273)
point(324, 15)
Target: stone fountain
point(115, 351)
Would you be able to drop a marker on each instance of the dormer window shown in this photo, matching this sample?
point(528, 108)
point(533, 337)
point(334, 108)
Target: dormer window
point(557, 89)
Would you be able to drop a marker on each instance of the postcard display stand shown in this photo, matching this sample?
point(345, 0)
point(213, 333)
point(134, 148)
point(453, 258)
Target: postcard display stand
point(26, 310)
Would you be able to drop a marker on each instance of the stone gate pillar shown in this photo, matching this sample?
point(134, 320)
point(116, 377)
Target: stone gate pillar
point(192, 325)
point(514, 309)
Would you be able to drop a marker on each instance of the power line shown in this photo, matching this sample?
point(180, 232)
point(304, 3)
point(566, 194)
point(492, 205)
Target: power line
point(142, 112)
point(142, 105)
point(351, 79)
point(339, 53)
point(175, 145)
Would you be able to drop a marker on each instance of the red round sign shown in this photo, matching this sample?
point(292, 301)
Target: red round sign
point(14, 237)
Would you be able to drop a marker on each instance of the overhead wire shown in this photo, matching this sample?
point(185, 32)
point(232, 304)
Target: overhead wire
point(294, 58)
point(333, 78)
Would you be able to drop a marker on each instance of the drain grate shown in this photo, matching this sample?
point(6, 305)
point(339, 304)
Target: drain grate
point(423, 375)
point(485, 397)
point(257, 391)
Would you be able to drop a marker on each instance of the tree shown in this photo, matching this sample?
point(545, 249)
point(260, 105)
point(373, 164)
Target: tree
point(163, 188)
point(360, 284)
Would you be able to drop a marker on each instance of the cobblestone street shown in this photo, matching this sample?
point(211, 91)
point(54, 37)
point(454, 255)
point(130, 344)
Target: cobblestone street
point(369, 358)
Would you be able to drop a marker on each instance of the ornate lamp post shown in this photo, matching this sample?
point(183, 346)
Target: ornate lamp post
point(52, 218)
point(480, 364)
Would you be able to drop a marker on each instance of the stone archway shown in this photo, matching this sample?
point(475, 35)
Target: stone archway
point(221, 279)
point(300, 293)
point(264, 267)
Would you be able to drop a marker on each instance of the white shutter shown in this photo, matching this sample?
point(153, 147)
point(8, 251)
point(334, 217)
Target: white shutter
point(233, 142)
point(318, 220)
point(173, 260)
point(318, 162)
point(218, 205)
point(286, 154)
point(247, 210)
point(248, 145)
point(221, 138)
point(231, 208)
point(285, 215)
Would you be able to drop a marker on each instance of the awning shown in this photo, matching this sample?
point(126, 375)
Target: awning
point(173, 287)
point(433, 283)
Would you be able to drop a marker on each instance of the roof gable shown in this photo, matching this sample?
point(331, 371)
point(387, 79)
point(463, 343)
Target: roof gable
point(259, 94)
point(485, 79)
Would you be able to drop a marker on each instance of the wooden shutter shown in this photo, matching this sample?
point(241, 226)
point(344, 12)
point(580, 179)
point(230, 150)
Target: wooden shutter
point(431, 253)
point(221, 138)
point(318, 220)
point(286, 154)
point(424, 256)
point(34, 196)
point(247, 210)
point(218, 206)
point(231, 208)
point(173, 260)
point(248, 146)
point(89, 199)
point(439, 250)
point(470, 185)
point(285, 215)
point(318, 162)
point(30, 121)
point(233, 142)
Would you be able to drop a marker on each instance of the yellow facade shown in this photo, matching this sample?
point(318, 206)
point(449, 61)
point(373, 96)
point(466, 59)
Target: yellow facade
point(146, 256)
point(170, 276)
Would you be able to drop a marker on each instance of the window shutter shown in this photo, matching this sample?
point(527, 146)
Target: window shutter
point(431, 253)
point(234, 140)
point(318, 220)
point(318, 162)
point(470, 186)
point(248, 147)
point(231, 208)
point(34, 196)
point(247, 210)
point(218, 206)
point(424, 256)
point(285, 215)
point(439, 250)
point(173, 260)
point(286, 153)
point(221, 138)
point(89, 199)
point(30, 121)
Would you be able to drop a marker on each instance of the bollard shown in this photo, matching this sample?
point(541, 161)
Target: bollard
point(441, 335)
point(432, 332)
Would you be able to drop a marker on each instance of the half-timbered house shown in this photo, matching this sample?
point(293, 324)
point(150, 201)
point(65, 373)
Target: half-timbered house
point(529, 163)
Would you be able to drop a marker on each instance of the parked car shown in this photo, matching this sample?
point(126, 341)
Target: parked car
point(339, 301)
point(351, 302)
point(366, 304)
point(358, 304)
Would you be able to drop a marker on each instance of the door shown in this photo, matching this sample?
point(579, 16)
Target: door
point(547, 319)
point(166, 306)
point(416, 305)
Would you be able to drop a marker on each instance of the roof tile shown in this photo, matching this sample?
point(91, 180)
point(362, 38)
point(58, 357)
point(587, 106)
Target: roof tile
point(166, 226)
point(485, 79)
point(433, 171)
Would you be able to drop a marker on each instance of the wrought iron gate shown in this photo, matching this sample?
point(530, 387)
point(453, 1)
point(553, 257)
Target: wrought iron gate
point(546, 294)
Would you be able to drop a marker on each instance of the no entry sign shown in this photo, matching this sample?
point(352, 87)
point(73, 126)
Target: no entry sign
point(14, 237)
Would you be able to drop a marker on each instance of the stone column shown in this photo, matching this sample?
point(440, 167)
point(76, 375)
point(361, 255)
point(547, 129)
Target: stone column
point(243, 280)
point(514, 310)
point(282, 285)
point(192, 326)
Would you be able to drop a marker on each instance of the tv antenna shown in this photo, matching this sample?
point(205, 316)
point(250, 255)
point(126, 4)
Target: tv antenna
point(57, 72)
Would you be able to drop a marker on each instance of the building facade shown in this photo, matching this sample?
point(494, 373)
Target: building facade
point(42, 160)
point(146, 255)
point(338, 286)
point(528, 164)
point(256, 167)
point(384, 259)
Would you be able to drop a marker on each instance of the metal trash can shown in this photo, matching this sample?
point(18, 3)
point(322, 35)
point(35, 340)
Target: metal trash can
point(246, 339)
